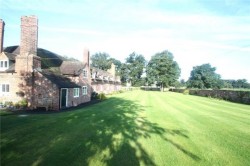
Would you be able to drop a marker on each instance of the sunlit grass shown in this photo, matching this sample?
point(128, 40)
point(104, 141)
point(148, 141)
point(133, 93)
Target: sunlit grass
point(132, 128)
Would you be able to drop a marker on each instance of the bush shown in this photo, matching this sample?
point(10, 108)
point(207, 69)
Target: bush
point(23, 103)
point(17, 105)
point(9, 103)
point(101, 96)
point(94, 95)
point(186, 92)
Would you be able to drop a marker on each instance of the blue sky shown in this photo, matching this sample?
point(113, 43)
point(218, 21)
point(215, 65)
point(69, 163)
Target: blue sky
point(196, 32)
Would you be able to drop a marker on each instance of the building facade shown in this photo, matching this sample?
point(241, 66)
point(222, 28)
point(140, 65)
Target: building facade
point(22, 76)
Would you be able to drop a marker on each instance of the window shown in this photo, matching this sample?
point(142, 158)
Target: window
point(84, 90)
point(4, 65)
point(85, 73)
point(76, 92)
point(4, 88)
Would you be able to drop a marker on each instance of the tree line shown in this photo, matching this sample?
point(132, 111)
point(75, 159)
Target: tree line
point(162, 71)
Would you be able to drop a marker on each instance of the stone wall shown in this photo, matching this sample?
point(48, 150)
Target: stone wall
point(105, 87)
point(14, 82)
point(45, 93)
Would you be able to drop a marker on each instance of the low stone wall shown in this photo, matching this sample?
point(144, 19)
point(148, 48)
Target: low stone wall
point(230, 95)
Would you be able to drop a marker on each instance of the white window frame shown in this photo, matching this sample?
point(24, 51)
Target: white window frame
point(85, 73)
point(76, 92)
point(84, 90)
point(4, 87)
point(3, 63)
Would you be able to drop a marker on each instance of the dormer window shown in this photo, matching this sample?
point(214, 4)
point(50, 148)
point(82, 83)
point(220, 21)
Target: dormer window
point(4, 64)
point(85, 73)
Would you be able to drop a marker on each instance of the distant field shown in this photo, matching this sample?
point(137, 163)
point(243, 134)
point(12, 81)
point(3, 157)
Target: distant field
point(132, 128)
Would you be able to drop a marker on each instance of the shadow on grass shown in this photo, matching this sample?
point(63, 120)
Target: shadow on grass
point(108, 134)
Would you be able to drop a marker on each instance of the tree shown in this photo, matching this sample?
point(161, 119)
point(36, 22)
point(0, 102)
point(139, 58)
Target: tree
point(133, 69)
point(163, 69)
point(204, 77)
point(124, 73)
point(101, 61)
point(240, 83)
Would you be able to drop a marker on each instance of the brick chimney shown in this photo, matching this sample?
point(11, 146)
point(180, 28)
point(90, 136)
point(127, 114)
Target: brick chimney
point(86, 56)
point(112, 70)
point(1, 34)
point(28, 59)
point(29, 35)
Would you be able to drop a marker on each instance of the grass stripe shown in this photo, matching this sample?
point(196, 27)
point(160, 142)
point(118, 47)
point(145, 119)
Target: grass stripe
point(132, 128)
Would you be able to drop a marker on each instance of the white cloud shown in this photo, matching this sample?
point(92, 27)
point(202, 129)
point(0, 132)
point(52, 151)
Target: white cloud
point(119, 28)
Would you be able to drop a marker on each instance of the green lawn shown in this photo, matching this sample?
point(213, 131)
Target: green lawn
point(132, 128)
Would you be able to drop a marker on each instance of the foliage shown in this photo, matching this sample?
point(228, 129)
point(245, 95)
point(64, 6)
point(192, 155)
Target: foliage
point(204, 77)
point(94, 95)
point(240, 83)
point(124, 73)
point(101, 61)
point(132, 70)
point(163, 69)
point(230, 95)
point(23, 103)
point(8, 103)
point(101, 96)
point(186, 91)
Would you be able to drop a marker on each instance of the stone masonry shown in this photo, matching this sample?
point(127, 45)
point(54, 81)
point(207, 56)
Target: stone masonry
point(29, 35)
point(28, 59)
point(1, 34)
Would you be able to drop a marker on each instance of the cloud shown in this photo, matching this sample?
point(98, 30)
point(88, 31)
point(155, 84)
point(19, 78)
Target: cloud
point(72, 31)
point(195, 32)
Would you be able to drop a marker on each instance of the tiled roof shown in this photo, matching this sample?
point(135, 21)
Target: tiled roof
point(100, 72)
point(59, 80)
point(72, 67)
point(11, 56)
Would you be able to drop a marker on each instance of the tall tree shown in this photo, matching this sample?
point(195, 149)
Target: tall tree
point(204, 77)
point(135, 63)
point(101, 61)
point(162, 69)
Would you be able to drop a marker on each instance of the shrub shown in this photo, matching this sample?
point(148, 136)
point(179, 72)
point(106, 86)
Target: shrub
point(9, 103)
point(23, 103)
point(101, 96)
point(94, 95)
point(186, 92)
point(17, 105)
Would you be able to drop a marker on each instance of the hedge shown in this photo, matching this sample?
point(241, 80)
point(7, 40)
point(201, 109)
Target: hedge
point(230, 95)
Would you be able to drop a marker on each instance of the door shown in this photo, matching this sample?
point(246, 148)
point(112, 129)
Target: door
point(64, 97)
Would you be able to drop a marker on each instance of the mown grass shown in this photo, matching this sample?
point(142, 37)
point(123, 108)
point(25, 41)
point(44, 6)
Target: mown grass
point(132, 128)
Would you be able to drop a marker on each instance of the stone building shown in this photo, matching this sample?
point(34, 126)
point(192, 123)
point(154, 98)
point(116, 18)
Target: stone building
point(25, 76)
